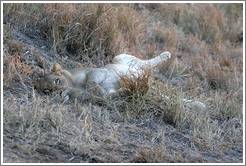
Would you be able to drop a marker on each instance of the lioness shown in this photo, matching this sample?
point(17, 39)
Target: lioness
point(98, 81)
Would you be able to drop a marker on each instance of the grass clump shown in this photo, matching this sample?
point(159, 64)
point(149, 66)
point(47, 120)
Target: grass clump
point(15, 69)
point(229, 106)
point(134, 84)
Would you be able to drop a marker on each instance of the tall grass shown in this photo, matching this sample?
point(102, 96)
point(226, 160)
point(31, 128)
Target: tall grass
point(99, 30)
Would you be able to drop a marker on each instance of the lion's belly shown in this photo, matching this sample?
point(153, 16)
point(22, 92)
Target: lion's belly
point(117, 69)
point(114, 71)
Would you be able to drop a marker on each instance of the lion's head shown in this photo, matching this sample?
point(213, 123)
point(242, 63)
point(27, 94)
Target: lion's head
point(51, 82)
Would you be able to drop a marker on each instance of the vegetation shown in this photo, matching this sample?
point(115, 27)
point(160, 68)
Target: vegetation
point(206, 43)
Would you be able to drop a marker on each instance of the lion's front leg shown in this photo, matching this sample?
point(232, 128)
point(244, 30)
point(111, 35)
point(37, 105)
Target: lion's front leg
point(96, 89)
point(94, 80)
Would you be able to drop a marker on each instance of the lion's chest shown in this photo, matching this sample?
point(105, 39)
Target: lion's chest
point(79, 79)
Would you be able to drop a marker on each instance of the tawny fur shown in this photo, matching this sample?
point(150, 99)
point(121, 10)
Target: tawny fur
point(98, 81)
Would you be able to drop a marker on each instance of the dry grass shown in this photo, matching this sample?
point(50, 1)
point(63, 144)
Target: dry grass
point(150, 123)
point(97, 30)
point(15, 69)
point(134, 84)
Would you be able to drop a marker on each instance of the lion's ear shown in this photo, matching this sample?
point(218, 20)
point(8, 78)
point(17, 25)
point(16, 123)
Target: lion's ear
point(57, 69)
